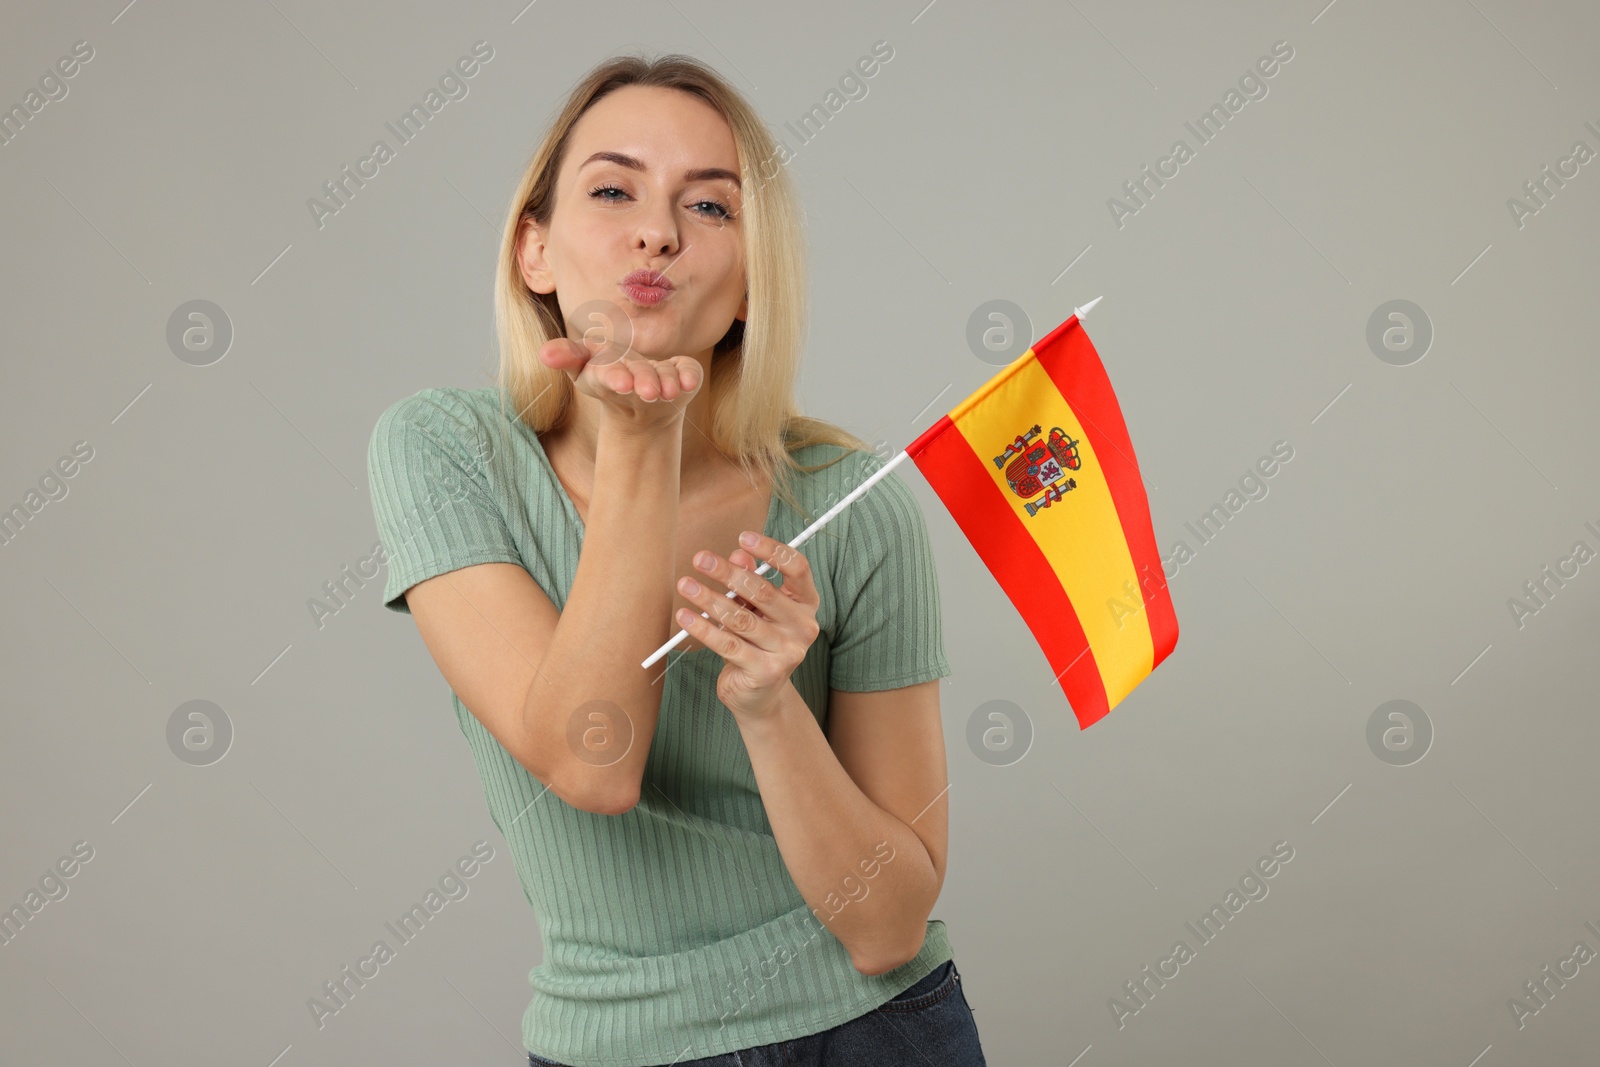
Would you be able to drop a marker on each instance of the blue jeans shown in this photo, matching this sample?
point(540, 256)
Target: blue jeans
point(929, 1023)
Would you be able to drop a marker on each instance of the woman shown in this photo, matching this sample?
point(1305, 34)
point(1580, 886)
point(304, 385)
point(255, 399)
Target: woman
point(732, 853)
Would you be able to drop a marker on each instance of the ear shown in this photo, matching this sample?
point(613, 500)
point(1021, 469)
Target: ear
point(531, 261)
point(744, 308)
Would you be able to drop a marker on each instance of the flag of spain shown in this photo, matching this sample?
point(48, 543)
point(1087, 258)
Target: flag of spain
point(1037, 469)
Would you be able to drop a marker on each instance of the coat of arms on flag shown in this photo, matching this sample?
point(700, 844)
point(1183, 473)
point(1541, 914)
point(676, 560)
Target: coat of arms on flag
point(1040, 466)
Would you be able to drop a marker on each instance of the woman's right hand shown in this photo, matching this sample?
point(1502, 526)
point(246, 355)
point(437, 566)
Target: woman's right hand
point(642, 394)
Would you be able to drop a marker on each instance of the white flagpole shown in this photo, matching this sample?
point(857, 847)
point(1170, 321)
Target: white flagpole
point(854, 495)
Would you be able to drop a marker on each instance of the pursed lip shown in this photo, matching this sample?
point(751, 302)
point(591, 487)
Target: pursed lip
point(652, 278)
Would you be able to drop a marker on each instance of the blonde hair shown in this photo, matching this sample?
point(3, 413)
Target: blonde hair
point(754, 418)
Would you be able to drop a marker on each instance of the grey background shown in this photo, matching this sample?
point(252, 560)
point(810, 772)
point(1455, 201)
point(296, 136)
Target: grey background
point(1419, 500)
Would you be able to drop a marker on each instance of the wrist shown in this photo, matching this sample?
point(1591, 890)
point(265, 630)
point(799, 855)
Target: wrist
point(778, 716)
point(633, 455)
point(634, 429)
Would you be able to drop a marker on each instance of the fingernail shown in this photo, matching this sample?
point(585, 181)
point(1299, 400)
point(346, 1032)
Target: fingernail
point(748, 539)
point(690, 586)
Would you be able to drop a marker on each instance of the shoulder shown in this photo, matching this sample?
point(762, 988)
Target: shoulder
point(889, 510)
point(885, 510)
point(439, 406)
point(445, 418)
point(837, 465)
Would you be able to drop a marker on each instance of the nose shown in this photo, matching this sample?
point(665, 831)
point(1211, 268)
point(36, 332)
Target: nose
point(658, 230)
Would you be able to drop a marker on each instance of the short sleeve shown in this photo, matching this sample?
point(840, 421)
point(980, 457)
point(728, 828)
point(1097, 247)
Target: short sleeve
point(431, 496)
point(886, 588)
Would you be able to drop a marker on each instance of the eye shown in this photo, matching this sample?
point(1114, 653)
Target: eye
point(722, 209)
point(719, 209)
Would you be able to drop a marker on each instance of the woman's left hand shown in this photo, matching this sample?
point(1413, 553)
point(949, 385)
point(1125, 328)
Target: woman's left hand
point(763, 632)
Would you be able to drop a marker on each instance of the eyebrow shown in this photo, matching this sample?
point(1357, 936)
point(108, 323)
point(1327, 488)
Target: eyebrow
point(625, 160)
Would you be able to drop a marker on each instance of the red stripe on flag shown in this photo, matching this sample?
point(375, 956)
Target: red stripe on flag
point(1014, 558)
point(1069, 357)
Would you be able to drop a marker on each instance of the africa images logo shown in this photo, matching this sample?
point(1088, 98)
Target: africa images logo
point(1033, 467)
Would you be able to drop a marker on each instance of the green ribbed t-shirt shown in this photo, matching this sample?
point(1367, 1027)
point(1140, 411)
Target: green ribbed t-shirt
point(672, 931)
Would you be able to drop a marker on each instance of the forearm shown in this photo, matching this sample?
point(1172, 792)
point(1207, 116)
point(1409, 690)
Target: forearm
point(866, 875)
point(615, 615)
